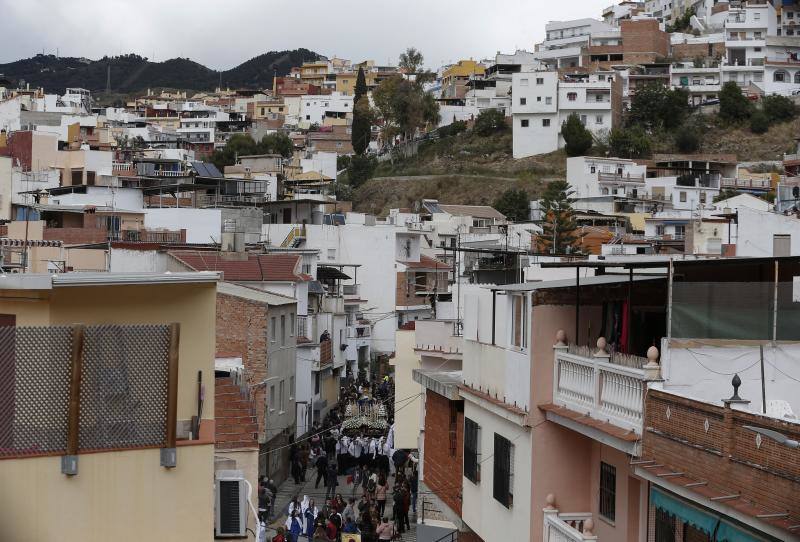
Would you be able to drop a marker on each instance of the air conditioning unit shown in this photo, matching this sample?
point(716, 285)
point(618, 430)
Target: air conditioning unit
point(230, 504)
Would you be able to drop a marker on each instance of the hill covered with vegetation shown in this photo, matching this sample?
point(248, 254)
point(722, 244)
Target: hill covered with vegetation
point(133, 73)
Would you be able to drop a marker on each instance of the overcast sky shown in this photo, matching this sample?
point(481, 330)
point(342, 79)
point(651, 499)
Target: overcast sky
point(223, 33)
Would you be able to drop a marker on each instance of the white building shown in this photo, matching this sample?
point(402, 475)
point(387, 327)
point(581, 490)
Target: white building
point(542, 101)
point(314, 109)
point(565, 39)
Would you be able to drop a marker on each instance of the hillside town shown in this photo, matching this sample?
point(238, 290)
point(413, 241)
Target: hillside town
point(199, 318)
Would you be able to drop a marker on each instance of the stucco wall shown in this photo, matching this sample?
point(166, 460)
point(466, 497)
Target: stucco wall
point(407, 416)
point(121, 496)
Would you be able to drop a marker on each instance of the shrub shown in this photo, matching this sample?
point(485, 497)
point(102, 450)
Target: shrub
point(515, 204)
point(687, 140)
point(733, 105)
point(577, 138)
point(455, 128)
point(629, 143)
point(759, 122)
point(778, 108)
point(490, 121)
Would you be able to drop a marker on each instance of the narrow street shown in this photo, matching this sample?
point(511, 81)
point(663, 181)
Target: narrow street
point(289, 489)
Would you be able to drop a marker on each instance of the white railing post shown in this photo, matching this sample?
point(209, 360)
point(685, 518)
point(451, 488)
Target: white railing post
point(560, 346)
point(600, 355)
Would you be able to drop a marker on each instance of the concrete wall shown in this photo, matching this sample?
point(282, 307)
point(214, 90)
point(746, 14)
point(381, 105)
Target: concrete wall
point(407, 420)
point(201, 225)
point(112, 498)
point(5, 187)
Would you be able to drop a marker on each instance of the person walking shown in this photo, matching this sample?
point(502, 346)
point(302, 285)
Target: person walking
point(294, 526)
point(331, 481)
point(414, 486)
point(310, 513)
point(380, 494)
point(322, 468)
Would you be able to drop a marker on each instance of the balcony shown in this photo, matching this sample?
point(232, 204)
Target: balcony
point(606, 389)
point(615, 178)
point(750, 184)
point(307, 328)
point(359, 331)
point(564, 527)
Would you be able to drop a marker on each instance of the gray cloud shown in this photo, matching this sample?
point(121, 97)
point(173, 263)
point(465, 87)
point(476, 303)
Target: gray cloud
point(223, 34)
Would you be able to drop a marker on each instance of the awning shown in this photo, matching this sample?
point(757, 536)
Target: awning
point(699, 518)
point(330, 273)
point(314, 287)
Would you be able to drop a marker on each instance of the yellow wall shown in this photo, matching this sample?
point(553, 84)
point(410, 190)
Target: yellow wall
point(408, 415)
point(120, 496)
point(463, 68)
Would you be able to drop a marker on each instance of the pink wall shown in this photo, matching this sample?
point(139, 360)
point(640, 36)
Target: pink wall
point(566, 463)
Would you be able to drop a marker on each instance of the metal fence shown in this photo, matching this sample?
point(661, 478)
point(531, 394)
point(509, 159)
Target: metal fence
point(69, 389)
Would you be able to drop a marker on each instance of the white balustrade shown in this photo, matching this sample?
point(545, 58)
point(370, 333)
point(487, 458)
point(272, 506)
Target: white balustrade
point(603, 390)
point(567, 527)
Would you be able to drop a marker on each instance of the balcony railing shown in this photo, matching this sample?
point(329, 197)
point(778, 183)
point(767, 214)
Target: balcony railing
point(608, 387)
point(359, 332)
point(351, 289)
point(756, 184)
point(615, 178)
point(560, 527)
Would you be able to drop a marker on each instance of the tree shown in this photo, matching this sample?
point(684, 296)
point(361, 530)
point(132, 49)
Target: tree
point(725, 193)
point(489, 121)
point(577, 138)
point(733, 105)
point(243, 144)
point(411, 61)
point(361, 86)
point(559, 227)
point(778, 108)
point(759, 122)
point(629, 142)
point(361, 131)
point(656, 106)
point(276, 143)
point(687, 140)
point(404, 107)
point(515, 204)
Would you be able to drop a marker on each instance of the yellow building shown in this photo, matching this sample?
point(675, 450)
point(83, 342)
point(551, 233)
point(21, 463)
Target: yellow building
point(265, 109)
point(346, 82)
point(81, 459)
point(454, 78)
point(314, 72)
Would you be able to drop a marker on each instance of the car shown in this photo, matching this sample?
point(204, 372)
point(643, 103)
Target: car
point(712, 101)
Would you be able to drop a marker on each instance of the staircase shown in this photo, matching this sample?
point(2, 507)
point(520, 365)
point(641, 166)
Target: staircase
point(295, 237)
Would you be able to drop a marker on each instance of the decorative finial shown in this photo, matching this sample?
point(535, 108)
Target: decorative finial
point(736, 382)
point(561, 338)
point(551, 501)
point(601, 347)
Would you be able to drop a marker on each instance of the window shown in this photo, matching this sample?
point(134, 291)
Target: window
point(683, 197)
point(702, 197)
point(583, 120)
point(472, 454)
point(272, 398)
point(292, 323)
point(548, 100)
point(524, 123)
point(797, 77)
point(757, 35)
point(331, 253)
point(757, 16)
point(608, 491)
point(680, 232)
point(282, 397)
point(503, 489)
point(523, 82)
point(523, 101)
point(572, 96)
point(540, 80)
point(316, 383)
point(592, 169)
point(779, 76)
point(308, 117)
point(283, 329)
point(660, 229)
point(273, 329)
point(598, 119)
point(519, 321)
point(665, 526)
point(545, 122)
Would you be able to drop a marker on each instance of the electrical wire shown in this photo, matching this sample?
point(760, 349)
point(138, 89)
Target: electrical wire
point(701, 364)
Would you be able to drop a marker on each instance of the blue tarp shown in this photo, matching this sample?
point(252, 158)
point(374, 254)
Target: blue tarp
point(700, 519)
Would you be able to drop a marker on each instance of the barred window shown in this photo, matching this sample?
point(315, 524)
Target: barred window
point(608, 491)
point(472, 452)
point(503, 471)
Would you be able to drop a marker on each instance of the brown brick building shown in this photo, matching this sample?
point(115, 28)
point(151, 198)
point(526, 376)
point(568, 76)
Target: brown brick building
point(641, 42)
point(444, 448)
point(707, 471)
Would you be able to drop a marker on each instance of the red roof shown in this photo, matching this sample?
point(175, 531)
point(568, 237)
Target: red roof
point(255, 267)
point(426, 262)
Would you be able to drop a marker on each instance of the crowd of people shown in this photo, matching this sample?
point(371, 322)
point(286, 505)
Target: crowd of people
point(364, 461)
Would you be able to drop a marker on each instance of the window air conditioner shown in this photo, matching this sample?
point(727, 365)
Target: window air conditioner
point(230, 503)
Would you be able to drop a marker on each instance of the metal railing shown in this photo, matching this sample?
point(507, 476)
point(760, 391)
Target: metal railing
point(615, 178)
point(359, 332)
point(293, 238)
point(606, 390)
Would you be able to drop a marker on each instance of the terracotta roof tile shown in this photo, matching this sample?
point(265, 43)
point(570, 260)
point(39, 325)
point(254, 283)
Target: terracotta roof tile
point(255, 267)
point(426, 262)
